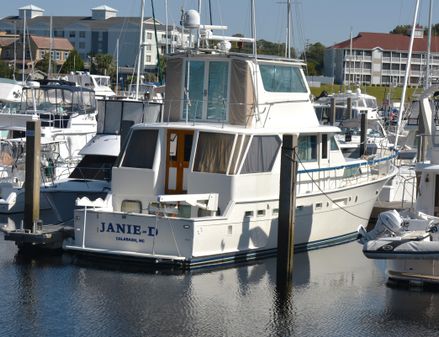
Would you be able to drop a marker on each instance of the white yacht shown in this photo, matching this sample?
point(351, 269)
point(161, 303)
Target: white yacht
point(92, 175)
point(203, 186)
point(100, 84)
point(68, 122)
point(409, 239)
point(361, 103)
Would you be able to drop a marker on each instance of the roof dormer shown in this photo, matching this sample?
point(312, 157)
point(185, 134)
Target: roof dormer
point(103, 12)
point(31, 12)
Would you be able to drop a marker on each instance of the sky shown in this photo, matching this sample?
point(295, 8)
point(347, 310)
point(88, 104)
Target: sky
point(324, 21)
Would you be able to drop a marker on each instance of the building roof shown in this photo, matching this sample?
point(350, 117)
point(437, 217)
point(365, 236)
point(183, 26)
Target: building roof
point(58, 43)
point(62, 22)
point(387, 41)
point(32, 8)
point(6, 41)
point(104, 8)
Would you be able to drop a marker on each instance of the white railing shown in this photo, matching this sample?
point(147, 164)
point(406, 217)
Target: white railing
point(333, 178)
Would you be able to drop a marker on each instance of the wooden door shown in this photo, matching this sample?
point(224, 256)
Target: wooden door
point(178, 153)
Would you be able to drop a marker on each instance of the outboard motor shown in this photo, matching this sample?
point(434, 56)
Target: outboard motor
point(389, 221)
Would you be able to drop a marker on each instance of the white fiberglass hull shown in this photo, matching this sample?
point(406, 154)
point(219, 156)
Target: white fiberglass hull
point(209, 240)
point(59, 197)
point(414, 270)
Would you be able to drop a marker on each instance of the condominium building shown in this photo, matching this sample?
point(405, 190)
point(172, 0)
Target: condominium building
point(98, 33)
point(381, 59)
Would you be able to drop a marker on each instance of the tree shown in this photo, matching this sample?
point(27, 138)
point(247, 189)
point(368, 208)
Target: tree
point(102, 64)
point(314, 58)
point(263, 47)
point(43, 64)
point(73, 62)
point(401, 29)
point(5, 70)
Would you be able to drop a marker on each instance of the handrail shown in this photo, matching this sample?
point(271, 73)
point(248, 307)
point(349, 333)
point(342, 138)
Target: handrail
point(366, 163)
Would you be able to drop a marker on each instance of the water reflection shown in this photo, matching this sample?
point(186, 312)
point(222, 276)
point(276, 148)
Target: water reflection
point(336, 291)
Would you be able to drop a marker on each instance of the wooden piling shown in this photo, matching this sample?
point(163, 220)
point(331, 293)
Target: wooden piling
point(33, 174)
point(349, 108)
point(287, 212)
point(363, 135)
point(332, 112)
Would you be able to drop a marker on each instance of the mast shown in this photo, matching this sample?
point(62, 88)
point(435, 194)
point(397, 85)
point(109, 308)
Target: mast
point(407, 73)
point(427, 74)
point(24, 45)
point(288, 54)
point(49, 71)
point(117, 66)
point(142, 9)
point(15, 50)
point(159, 72)
point(350, 60)
point(166, 28)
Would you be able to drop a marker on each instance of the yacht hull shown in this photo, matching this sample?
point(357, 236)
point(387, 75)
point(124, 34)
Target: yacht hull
point(193, 242)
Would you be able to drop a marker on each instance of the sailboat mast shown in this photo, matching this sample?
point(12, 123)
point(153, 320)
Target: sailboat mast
point(427, 74)
point(407, 73)
point(139, 60)
point(49, 70)
point(289, 29)
point(24, 45)
point(117, 66)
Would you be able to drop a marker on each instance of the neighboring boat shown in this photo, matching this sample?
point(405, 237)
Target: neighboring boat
point(68, 122)
point(409, 240)
point(203, 186)
point(10, 95)
point(360, 104)
point(92, 175)
point(100, 84)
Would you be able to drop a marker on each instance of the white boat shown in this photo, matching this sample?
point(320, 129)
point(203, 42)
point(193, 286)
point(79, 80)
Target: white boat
point(361, 103)
point(10, 95)
point(203, 186)
point(408, 240)
point(100, 84)
point(92, 175)
point(68, 119)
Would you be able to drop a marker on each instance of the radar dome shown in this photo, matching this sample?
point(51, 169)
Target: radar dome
point(191, 19)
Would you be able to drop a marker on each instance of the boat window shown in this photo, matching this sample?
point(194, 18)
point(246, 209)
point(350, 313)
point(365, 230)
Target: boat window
point(206, 92)
point(94, 167)
point(238, 153)
point(278, 78)
point(194, 90)
point(261, 154)
point(307, 148)
point(217, 91)
point(324, 146)
point(140, 150)
point(371, 103)
point(112, 117)
point(334, 146)
point(213, 152)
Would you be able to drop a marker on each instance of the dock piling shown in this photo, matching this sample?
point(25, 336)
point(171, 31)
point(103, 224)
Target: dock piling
point(32, 174)
point(287, 212)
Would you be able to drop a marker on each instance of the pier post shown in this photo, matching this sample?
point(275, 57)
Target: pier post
point(332, 111)
point(32, 174)
point(349, 108)
point(287, 212)
point(363, 136)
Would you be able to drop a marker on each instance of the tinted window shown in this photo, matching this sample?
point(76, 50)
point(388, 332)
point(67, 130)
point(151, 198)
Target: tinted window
point(141, 149)
point(261, 154)
point(282, 78)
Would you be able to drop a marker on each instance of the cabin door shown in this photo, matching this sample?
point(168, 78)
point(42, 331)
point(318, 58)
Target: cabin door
point(178, 153)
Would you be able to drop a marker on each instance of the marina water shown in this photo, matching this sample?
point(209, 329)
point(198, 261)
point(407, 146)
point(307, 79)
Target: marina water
point(336, 292)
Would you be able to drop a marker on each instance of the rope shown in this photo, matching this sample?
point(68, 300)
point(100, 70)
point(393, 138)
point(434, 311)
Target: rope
point(318, 186)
